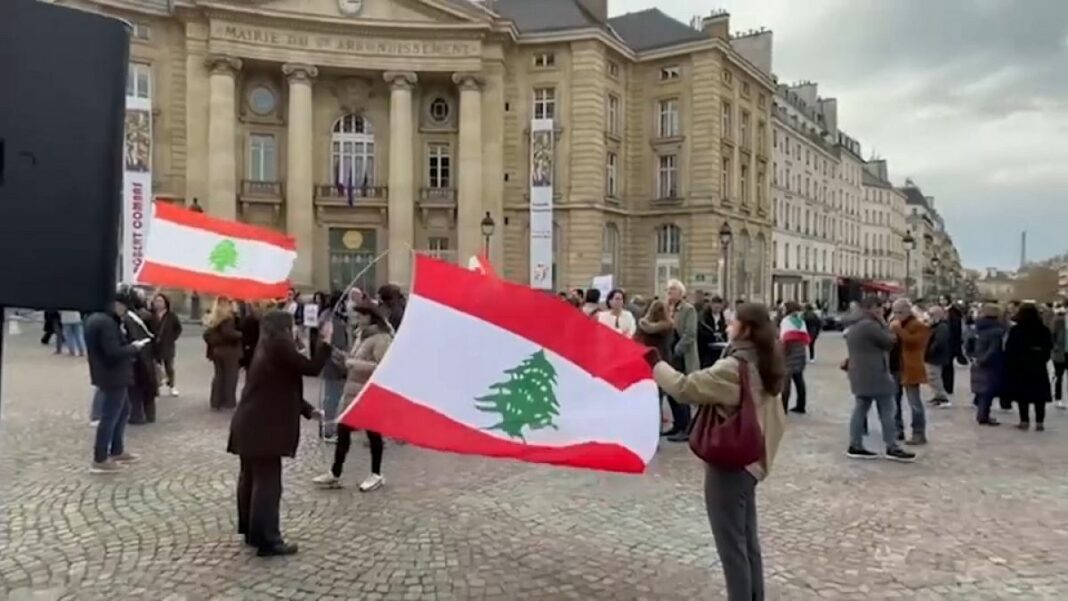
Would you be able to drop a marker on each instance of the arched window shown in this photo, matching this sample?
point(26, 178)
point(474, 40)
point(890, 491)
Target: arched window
point(610, 250)
point(743, 279)
point(352, 150)
point(668, 248)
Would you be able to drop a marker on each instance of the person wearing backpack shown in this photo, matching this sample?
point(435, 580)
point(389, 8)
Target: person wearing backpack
point(741, 420)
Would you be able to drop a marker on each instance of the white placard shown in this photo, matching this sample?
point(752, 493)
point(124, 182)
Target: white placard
point(311, 315)
point(604, 283)
point(541, 204)
point(136, 185)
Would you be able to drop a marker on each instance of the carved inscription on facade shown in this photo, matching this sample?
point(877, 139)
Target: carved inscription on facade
point(347, 44)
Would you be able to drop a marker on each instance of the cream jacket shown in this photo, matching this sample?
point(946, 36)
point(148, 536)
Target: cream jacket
point(719, 385)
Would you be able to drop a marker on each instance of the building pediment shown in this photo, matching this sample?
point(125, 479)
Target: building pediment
point(392, 12)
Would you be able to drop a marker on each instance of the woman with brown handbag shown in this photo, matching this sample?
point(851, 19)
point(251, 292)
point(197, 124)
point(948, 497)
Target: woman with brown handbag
point(737, 432)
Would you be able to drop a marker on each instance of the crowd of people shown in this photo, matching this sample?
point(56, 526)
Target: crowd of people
point(705, 353)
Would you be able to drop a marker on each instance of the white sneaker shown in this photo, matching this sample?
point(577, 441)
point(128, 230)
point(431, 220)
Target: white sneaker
point(330, 440)
point(125, 458)
point(374, 481)
point(327, 480)
point(94, 423)
point(105, 467)
point(1061, 405)
point(174, 392)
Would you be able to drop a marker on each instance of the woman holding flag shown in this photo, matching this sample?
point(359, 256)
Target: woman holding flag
point(372, 341)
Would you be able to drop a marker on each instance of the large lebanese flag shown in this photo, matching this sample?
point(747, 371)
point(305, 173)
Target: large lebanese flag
point(482, 366)
point(191, 250)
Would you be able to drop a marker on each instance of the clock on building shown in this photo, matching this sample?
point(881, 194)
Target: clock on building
point(350, 7)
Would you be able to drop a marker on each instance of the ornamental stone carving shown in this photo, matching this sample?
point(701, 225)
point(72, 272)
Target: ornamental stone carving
point(300, 72)
point(400, 79)
point(220, 64)
point(468, 80)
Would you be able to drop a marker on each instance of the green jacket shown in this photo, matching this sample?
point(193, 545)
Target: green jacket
point(686, 341)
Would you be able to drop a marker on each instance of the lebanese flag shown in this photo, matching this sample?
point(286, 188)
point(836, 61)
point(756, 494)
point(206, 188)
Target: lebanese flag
point(793, 329)
point(481, 264)
point(486, 367)
point(191, 250)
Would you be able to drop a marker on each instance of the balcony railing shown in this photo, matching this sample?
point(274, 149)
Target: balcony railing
point(445, 197)
point(261, 190)
point(332, 194)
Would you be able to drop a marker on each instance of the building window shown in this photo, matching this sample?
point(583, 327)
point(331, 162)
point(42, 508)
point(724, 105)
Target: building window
point(667, 179)
point(670, 73)
point(262, 100)
point(728, 121)
point(613, 68)
point(745, 129)
point(725, 177)
point(139, 80)
point(609, 249)
point(745, 88)
point(728, 77)
point(613, 114)
point(774, 253)
point(544, 59)
point(262, 161)
point(668, 247)
point(141, 31)
point(439, 110)
point(353, 151)
point(611, 168)
point(437, 245)
point(668, 123)
point(760, 187)
point(762, 133)
point(544, 103)
point(439, 166)
point(744, 184)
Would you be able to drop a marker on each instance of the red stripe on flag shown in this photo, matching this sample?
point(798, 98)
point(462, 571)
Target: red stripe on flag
point(538, 316)
point(390, 414)
point(237, 288)
point(231, 229)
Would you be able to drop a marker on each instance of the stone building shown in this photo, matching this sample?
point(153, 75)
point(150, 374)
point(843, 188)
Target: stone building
point(805, 265)
point(883, 227)
point(358, 126)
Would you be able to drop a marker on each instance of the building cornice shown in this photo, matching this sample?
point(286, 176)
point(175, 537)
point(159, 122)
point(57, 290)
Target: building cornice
point(128, 6)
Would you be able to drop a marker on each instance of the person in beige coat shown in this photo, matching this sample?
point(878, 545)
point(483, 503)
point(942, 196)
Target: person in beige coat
point(374, 335)
point(730, 495)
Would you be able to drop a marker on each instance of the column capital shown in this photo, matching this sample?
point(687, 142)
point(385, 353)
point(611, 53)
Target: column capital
point(222, 64)
point(469, 80)
point(295, 72)
point(400, 80)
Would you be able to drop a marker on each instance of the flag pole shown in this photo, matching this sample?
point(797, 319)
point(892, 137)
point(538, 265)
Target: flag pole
point(352, 284)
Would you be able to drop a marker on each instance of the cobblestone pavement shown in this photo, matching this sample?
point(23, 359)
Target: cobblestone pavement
point(982, 515)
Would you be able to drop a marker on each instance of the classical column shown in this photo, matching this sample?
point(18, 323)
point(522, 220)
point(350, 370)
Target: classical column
point(401, 178)
point(469, 210)
point(300, 212)
point(222, 166)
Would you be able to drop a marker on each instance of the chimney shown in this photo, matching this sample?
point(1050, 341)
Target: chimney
point(755, 47)
point(717, 24)
point(597, 8)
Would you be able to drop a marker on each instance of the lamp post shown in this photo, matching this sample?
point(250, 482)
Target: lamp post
point(935, 262)
point(488, 226)
point(725, 235)
point(910, 245)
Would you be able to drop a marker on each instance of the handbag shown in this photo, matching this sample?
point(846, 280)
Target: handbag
point(730, 442)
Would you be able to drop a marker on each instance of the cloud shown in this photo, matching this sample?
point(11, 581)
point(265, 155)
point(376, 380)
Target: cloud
point(969, 97)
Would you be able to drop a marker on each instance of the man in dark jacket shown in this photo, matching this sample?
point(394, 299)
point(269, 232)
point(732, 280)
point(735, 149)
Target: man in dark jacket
point(145, 387)
point(869, 343)
point(956, 332)
point(939, 354)
point(111, 370)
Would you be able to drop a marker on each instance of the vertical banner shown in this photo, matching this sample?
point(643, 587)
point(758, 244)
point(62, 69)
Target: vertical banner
point(136, 184)
point(541, 204)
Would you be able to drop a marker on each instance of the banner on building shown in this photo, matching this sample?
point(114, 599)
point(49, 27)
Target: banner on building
point(541, 204)
point(136, 185)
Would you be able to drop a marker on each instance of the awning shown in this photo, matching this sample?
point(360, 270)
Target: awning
point(885, 287)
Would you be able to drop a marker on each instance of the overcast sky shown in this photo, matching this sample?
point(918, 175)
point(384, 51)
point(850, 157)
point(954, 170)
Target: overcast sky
point(969, 98)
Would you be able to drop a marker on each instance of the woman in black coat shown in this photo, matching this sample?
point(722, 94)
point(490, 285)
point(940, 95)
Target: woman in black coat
point(1027, 351)
point(167, 328)
point(266, 427)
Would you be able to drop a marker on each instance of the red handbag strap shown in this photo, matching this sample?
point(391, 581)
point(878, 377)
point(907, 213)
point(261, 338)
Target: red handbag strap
point(746, 393)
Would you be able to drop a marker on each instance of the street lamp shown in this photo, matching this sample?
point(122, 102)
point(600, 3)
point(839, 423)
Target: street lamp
point(488, 226)
point(935, 262)
point(910, 245)
point(725, 235)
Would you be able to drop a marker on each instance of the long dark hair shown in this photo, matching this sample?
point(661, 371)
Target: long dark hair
point(276, 325)
point(760, 331)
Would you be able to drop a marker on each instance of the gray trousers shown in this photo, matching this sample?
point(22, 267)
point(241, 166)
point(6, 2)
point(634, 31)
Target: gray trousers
point(730, 500)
